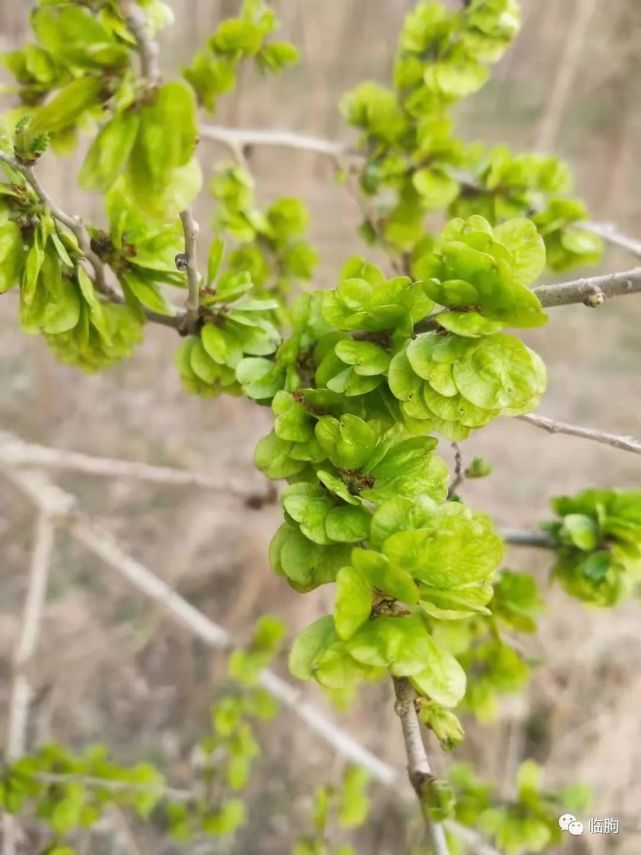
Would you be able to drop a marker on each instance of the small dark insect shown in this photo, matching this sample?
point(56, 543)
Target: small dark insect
point(181, 262)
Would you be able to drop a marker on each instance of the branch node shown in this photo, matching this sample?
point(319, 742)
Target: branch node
point(594, 297)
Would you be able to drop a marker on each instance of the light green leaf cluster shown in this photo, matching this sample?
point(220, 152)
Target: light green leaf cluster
point(416, 165)
point(529, 822)
point(271, 244)
point(425, 561)
point(506, 185)
point(214, 69)
point(236, 331)
point(346, 806)
point(598, 544)
point(148, 147)
point(227, 754)
point(66, 804)
point(57, 298)
point(455, 384)
point(73, 792)
point(80, 61)
point(443, 56)
point(485, 271)
point(493, 666)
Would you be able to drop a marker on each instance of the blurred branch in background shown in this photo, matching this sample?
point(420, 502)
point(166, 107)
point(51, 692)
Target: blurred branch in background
point(53, 502)
point(573, 52)
point(238, 140)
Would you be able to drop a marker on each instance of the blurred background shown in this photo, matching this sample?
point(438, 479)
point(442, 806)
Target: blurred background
point(113, 668)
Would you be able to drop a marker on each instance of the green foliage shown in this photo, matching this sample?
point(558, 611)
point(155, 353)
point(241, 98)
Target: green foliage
point(507, 185)
point(56, 781)
point(416, 165)
point(529, 823)
point(492, 665)
point(357, 377)
point(73, 792)
point(271, 245)
point(598, 544)
point(78, 63)
point(57, 298)
point(346, 806)
point(214, 69)
point(160, 175)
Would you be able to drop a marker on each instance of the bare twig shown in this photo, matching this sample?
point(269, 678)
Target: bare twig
point(592, 291)
point(610, 233)
point(238, 139)
point(30, 631)
point(22, 692)
point(170, 793)
point(47, 496)
point(15, 453)
point(516, 537)
point(102, 545)
point(459, 475)
point(148, 50)
point(191, 229)
point(418, 764)
point(626, 443)
point(569, 63)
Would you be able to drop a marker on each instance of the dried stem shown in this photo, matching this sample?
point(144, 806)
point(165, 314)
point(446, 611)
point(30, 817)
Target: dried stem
point(418, 764)
point(625, 443)
point(237, 139)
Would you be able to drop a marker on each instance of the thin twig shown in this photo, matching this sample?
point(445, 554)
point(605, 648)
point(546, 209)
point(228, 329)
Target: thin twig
point(29, 635)
point(418, 764)
point(592, 291)
point(148, 49)
point(46, 495)
point(459, 475)
point(238, 139)
point(571, 57)
point(192, 304)
point(101, 544)
point(610, 233)
point(73, 223)
point(22, 692)
point(516, 537)
point(76, 225)
point(170, 793)
point(626, 443)
point(15, 453)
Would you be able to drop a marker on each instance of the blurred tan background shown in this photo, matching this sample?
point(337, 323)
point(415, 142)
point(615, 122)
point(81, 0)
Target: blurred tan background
point(113, 668)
